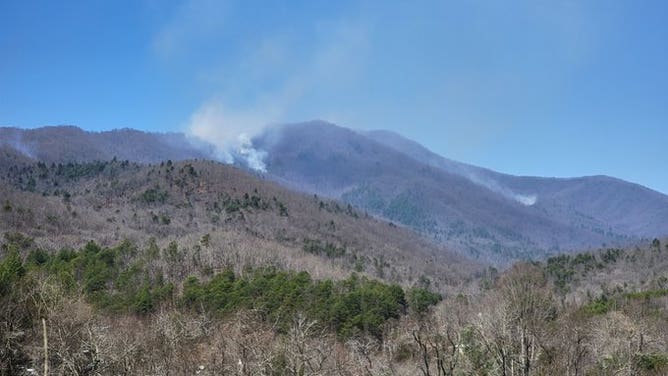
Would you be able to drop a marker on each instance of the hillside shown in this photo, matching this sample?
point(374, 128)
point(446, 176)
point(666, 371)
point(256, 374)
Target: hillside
point(72, 144)
point(248, 220)
point(623, 207)
point(483, 213)
point(130, 264)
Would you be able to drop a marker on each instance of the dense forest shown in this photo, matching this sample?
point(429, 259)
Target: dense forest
point(114, 310)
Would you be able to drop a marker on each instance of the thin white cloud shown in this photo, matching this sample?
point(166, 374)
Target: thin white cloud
point(191, 21)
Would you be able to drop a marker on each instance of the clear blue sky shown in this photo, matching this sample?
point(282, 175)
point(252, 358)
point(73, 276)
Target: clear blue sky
point(552, 88)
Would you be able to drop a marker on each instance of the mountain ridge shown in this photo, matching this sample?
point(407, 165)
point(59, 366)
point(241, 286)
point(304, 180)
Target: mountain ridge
point(511, 183)
point(482, 213)
point(545, 209)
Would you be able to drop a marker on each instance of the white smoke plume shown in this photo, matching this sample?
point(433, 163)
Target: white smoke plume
point(528, 200)
point(15, 141)
point(493, 185)
point(254, 158)
point(230, 132)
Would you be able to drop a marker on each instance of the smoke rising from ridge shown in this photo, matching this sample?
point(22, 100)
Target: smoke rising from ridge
point(230, 133)
point(494, 186)
point(526, 200)
point(254, 158)
point(279, 76)
point(16, 142)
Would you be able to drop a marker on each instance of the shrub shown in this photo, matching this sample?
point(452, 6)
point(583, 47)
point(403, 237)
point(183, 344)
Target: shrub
point(420, 299)
point(11, 270)
point(652, 362)
point(154, 195)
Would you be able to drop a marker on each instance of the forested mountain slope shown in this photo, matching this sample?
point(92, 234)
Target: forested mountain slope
point(486, 214)
point(248, 220)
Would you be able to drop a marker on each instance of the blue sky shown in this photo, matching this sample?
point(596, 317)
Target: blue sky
point(550, 88)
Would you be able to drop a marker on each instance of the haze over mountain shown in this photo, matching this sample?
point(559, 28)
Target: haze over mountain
point(602, 197)
point(479, 212)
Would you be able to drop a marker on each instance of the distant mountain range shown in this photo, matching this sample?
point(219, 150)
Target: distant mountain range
point(479, 212)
